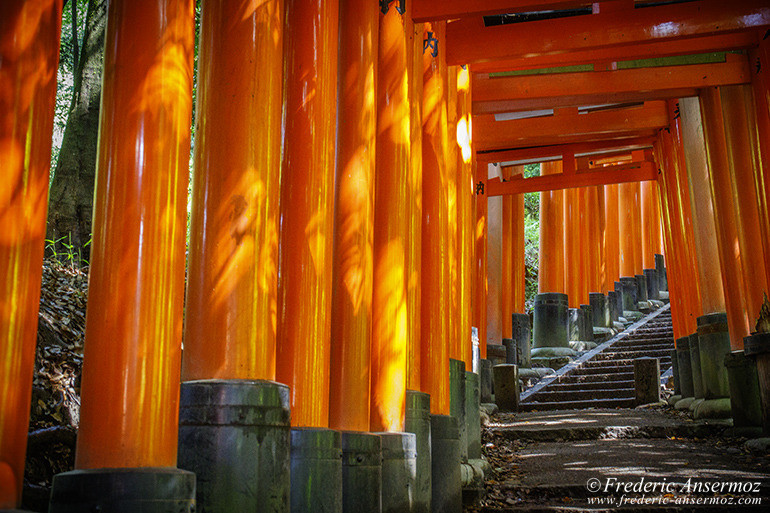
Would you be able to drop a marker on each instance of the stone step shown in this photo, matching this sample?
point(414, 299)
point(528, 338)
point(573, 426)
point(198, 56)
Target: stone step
point(583, 395)
point(644, 342)
point(599, 385)
point(616, 369)
point(609, 354)
point(574, 377)
point(578, 405)
point(614, 363)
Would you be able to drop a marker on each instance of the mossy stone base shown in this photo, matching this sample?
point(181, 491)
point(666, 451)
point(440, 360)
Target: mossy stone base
point(552, 362)
point(713, 409)
point(684, 404)
point(539, 353)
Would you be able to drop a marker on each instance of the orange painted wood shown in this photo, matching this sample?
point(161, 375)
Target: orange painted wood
point(29, 58)
point(465, 240)
point(468, 41)
point(690, 169)
point(389, 315)
point(572, 256)
point(434, 354)
point(481, 286)
point(532, 92)
point(132, 356)
point(645, 50)
point(611, 235)
point(730, 258)
point(431, 10)
point(517, 250)
point(558, 151)
point(506, 281)
point(743, 157)
point(621, 173)
point(595, 213)
point(414, 212)
point(449, 131)
point(351, 325)
point(567, 126)
point(650, 223)
point(627, 202)
point(551, 265)
point(761, 137)
point(307, 208)
point(232, 278)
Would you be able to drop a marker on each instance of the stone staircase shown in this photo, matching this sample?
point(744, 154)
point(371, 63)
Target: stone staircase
point(604, 377)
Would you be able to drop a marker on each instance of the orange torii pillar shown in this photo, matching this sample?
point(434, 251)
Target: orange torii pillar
point(506, 256)
point(29, 57)
point(414, 197)
point(351, 328)
point(480, 232)
point(675, 193)
point(628, 210)
point(611, 235)
point(306, 240)
point(229, 356)
point(573, 256)
point(727, 229)
point(434, 356)
point(452, 169)
point(465, 245)
point(650, 223)
point(435, 337)
point(761, 132)
point(132, 355)
point(594, 242)
point(417, 416)
point(551, 265)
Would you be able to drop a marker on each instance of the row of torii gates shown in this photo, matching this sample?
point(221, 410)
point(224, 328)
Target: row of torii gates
point(338, 240)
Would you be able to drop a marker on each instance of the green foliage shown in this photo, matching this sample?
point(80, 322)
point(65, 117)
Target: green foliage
point(531, 238)
point(71, 255)
point(65, 82)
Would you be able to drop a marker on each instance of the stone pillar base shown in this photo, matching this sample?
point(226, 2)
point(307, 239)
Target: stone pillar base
point(445, 465)
point(361, 472)
point(674, 399)
point(399, 471)
point(695, 404)
point(316, 470)
point(124, 490)
point(713, 409)
point(418, 422)
point(684, 404)
point(551, 362)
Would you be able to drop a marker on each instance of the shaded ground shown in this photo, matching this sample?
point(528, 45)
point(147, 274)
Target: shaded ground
point(576, 460)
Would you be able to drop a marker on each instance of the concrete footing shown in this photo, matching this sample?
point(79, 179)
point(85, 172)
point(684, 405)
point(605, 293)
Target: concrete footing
point(457, 402)
point(446, 493)
point(361, 472)
point(757, 346)
point(660, 267)
point(697, 378)
point(653, 287)
point(629, 291)
point(316, 470)
point(473, 415)
point(550, 326)
point(647, 380)
point(234, 435)
point(745, 400)
point(684, 367)
point(399, 471)
point(675, 373)
point(486, 381)
point(641, 287)
point(714, 346)
point(506, 378)
point(124, 490)
point(522, 334)
point(586, 326)
point(497, 353)
point(418, 422)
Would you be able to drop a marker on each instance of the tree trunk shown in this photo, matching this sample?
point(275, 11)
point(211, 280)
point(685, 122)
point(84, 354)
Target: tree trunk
point(71, 195)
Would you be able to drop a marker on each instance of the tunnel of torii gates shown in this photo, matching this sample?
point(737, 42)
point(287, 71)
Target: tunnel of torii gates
point(342, 184)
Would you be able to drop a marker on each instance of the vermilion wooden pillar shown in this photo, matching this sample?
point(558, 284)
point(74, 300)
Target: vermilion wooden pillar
point(307, 192)
point(29, 57)
point(724, 215)
point(611, 235)
point(517, 248)
point(593, 247)
point(628, 206)
point(551, 266)
point(480, 266)
point(739, 122)
point(414, 198)
point(760, 134)
point(603, 282)
point(506, 281)
point(232, 279)
point(389, 316)
point(131, 370)
point(465, 216)
point(583, 245)
point(689, 147)
point(434, 354)
point(572, 256)
point(351, 327)
point(650, 223)
point(451, 236)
